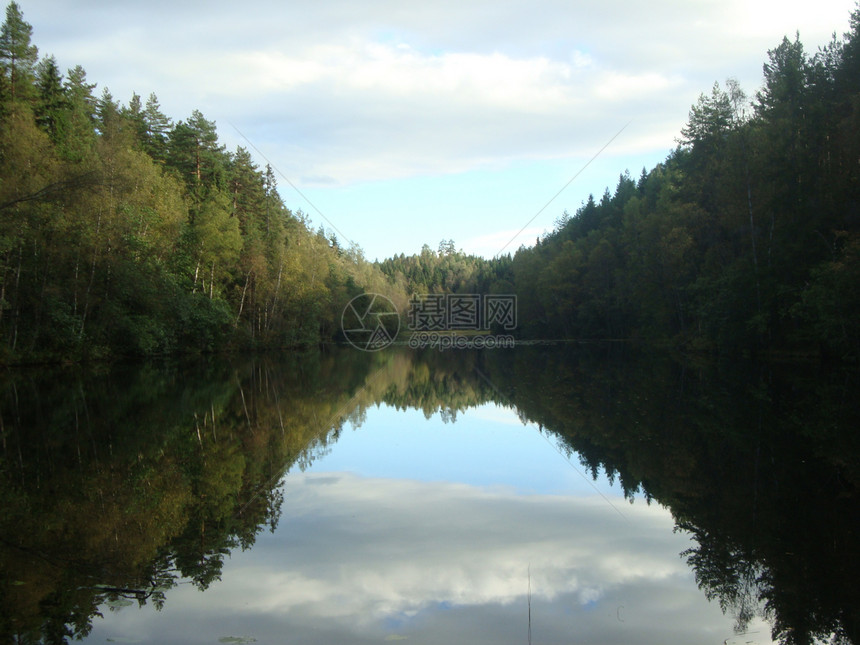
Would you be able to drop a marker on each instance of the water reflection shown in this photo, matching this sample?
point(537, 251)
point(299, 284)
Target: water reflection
point(361, 559)
point(138, 483)
point(758, 463)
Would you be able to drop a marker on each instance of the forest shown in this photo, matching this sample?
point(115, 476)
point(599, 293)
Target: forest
point(126, 232)
point(745, 239)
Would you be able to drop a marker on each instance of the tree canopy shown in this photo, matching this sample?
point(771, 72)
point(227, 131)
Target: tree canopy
point(125, 231)
point(744, 239)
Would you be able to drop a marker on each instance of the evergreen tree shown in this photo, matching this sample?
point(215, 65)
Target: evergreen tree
point(133, 115)
point(710, 119)
point(247, 186)
point(80, 135)
point(195, 153)
point(158, 127)
point(107, 115)
point(18, 56)
point(52, 104)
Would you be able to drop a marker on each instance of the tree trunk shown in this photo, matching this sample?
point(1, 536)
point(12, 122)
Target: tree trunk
point(16, 312)
point(92, 276)
point(196, 275)
point(242, 301)
point(271, 314)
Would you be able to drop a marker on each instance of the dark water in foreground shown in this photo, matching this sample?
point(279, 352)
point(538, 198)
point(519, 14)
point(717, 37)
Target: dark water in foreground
point(542, 494)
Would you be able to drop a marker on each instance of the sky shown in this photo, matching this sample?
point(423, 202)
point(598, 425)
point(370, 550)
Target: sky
point(419, 531)
point(396, 124)
point(491, 435)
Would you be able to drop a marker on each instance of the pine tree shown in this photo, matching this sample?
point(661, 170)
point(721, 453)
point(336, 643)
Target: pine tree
point(80, 136)
point(134, 117)
point(273, 200)
point(18, 56)
point(709, 120)
point(107, 114)
point(195, 153)
point(247, 187)
point(158, 126)
point(848, 73)
point(80, 92)
point(52, 105)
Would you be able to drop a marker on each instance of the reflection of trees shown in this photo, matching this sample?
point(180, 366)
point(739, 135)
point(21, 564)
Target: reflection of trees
point(759, 464)
point(117, 484)
point(439, 382)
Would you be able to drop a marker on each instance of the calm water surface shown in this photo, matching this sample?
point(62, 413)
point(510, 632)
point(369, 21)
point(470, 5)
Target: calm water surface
point(528, 496)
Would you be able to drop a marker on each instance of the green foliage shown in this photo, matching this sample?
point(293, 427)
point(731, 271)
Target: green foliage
point(739, 242)
point(52, 104)
point(830, 302)
point(448, 271)
point(157, 127)
point(18, 56)
point(122, 232)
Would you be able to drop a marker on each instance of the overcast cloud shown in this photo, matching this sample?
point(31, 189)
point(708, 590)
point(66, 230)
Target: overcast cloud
point(360, 559)
point(343, 94)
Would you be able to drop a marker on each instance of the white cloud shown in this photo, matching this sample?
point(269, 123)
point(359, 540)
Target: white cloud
point(384, 547)
point(370, 557)
point(338, 94)
point(619, 86)
point(501, 242)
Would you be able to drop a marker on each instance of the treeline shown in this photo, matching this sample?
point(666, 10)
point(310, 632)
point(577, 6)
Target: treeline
point(124, 232)
point(747, 238)
point(448, 270)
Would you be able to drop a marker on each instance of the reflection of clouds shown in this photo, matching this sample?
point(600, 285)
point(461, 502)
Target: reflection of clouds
point(358, 560)
point(372, 548)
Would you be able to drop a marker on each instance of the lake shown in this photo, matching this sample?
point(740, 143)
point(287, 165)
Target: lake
point(548, 494)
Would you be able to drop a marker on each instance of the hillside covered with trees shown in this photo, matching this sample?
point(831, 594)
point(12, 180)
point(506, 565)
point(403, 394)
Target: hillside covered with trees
point(124, 232)
point(747, 237)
